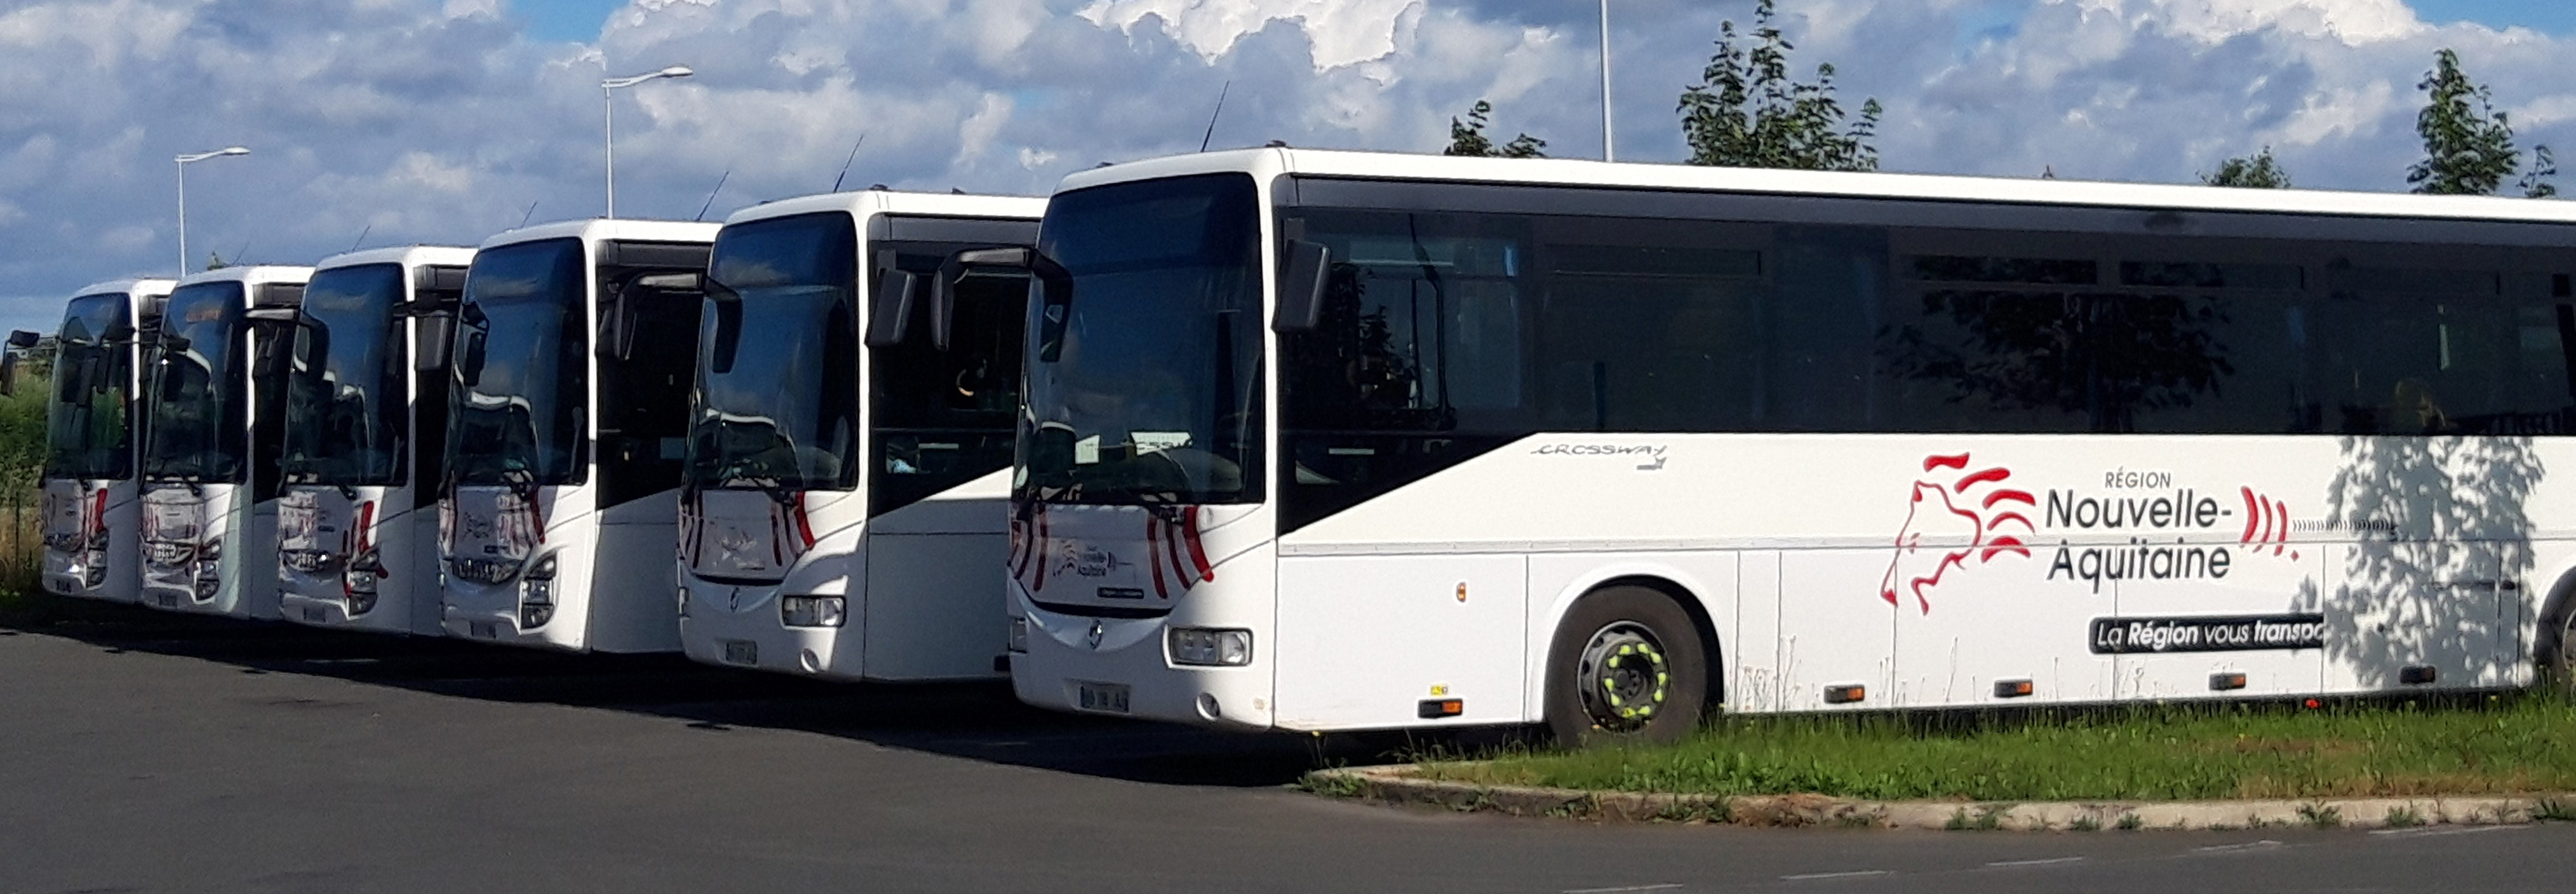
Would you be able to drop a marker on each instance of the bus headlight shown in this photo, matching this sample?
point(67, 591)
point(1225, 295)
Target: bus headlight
point(537, 594)
point(812, 611)
point(1211, 648)
point(1018, 641)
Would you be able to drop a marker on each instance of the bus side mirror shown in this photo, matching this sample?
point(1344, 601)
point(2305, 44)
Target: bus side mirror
point(891, 317)
point(437, 332)
point(469, 345)
point(20, 341)
point(1301, 287)
point(727, 339)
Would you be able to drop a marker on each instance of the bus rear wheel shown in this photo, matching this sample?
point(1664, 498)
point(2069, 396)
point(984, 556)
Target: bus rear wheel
point(1626, 665)
point(2558, 655)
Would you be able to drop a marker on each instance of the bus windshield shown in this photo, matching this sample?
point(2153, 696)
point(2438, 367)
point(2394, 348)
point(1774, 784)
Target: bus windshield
point(777, 408)
point(522, 382)
point(200, 430)
point(88, 434)
point(346, 423)
point(1144, 386)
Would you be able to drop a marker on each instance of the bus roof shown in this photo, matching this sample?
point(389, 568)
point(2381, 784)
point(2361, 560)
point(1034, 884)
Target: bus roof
point(863, 203)
point(1262, 163)
point(140, 288)
point(254, 274)
point(408, 256)
point(600, 230)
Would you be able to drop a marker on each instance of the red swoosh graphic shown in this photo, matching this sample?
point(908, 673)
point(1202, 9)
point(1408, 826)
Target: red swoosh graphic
point(2017, 496)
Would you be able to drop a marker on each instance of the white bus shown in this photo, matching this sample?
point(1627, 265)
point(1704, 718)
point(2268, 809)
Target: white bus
point(1333, 441)
point(213, 417)
point(366, 437)
point(567, 416)
point(92, 498)
point(850, 439)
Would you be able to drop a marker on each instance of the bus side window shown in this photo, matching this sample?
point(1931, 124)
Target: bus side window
point(641, 432)
point(943, 418)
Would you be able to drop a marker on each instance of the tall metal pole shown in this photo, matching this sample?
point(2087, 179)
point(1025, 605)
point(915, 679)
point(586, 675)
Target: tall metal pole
point(183, 217)
point(1609, 143)
point(608, 103)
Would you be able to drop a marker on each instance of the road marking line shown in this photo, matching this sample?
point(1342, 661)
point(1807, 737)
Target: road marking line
point(1667, 887)
point(2265, 844)
point(2457, 830)
point(1814, 876)
point(2052, 861)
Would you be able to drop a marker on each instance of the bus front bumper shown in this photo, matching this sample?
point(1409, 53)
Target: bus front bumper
point(1116, 667)
point(757, 638)
point(493, 615)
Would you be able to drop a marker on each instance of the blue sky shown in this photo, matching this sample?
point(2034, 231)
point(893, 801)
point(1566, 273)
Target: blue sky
point(2552, 16)
point(575, 21)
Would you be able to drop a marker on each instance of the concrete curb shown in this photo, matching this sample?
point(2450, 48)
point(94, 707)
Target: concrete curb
point(1398, 785)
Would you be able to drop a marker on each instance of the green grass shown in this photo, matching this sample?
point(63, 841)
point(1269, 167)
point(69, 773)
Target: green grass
point(2509, 744)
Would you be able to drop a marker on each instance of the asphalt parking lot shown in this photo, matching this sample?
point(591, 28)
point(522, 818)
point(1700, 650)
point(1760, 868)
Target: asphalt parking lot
point(143, 752)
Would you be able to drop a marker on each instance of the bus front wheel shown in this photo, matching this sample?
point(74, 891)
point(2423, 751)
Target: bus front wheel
point(1626, 665)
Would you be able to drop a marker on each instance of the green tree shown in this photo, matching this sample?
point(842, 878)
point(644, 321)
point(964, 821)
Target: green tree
point(2468, 144)
point(2261, 171)
point(1468, 138)
point(1747, 111)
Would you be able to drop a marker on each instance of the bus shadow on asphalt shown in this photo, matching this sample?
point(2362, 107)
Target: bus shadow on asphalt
point(979, 721)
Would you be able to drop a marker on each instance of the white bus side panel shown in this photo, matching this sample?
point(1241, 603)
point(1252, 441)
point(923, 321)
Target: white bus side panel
point(1835, 630)
point(634, 594)
point(1929, 567)
point(1753, 678)
point(1375, 636)
point(1954, 654)
point(935, 605)
point(2253, 588)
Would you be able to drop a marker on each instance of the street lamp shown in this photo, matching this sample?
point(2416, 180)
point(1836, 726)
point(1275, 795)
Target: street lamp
point(609, 102)
point(184, 160)
point(1608, 153)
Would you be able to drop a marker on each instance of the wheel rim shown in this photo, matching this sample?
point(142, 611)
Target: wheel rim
point(1624, 677)
point(2564, 663)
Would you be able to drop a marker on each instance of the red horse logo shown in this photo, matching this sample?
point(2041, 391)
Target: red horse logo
point(1972, 509)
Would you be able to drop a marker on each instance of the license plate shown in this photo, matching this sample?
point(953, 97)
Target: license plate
point(483, 629)
point(313, 615)
point(738, 651)
point(1106, 697)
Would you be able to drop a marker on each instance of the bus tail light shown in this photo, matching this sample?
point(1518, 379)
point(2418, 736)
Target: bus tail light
point(1204, 647)
point(813, 611)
